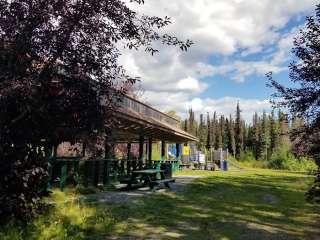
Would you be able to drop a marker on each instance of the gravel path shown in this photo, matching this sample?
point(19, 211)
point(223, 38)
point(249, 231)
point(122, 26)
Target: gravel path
point(122, 196)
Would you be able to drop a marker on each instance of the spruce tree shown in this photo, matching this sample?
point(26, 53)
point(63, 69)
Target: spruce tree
point(231, 139)
point(274, 133)
point(219, 136)
point(264, 137)
point(284, 140)
point(202, 133)
point(213, 131)
point(218, 133)
point(245, 136)
point(238, 133)
point(250, 139)
point(223, 132)
point(185, 125)
point(256, 136)
point(209, 132)
point(192, 128)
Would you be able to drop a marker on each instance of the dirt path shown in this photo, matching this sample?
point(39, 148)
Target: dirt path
point(122, 196)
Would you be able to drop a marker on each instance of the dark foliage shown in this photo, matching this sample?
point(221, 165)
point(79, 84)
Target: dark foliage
point(60, 80)
point(303, 100)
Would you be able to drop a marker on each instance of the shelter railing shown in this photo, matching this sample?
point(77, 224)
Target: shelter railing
point(139, 107)
point(96, 172)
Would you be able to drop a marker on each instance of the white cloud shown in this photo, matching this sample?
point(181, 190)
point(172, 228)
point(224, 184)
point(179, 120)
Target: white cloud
point(239, 70)
point(191, 84)
point(220, 28)
point(222, 106)
point(227, 106)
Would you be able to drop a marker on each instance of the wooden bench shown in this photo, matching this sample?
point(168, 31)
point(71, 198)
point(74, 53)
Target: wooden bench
point(162, 181)
point(128, 180)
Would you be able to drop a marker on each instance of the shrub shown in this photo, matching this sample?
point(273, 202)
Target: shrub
point(247, 156)
point(282, 158)
point(23, 181)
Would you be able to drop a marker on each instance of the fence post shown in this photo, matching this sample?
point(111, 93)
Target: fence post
point(63, 176)
point(50, 161)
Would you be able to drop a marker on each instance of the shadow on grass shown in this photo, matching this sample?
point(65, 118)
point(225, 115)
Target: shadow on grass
point(242, 206)
point(226, 208)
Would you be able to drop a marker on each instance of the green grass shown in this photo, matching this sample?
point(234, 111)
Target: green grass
point(255, 204)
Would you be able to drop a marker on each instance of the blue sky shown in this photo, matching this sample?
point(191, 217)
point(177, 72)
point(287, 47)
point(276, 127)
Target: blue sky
point(236, 43)
point(254, 86)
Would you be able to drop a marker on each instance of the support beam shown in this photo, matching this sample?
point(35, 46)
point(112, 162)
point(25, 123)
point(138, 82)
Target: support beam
point(129, 158)
point(141, 143)
point(108, 155)
point(163, 150)
point(177, 151)
point(150, 152)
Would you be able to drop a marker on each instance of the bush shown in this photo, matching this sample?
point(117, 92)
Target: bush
point(23, 181)
point(282, 158)
point(247, 156)
point(247, 159)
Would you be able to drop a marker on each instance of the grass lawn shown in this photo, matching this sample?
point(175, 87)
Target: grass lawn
point(253, 204)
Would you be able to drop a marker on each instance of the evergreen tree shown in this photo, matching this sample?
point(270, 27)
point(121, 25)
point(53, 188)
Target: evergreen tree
point(185, 126)
point(274, 133)
point(214, 130)
point(264, 137)
point(238, 133)
point(202, 133)
point(256, 136)
point(250, 139)
point(209, 132)
point(192, 128)
point(223, 132)
point(218, 143)
point(231, 139)
point(284, 140)
point(219, 139)
point(245, 136)
point(298, 147)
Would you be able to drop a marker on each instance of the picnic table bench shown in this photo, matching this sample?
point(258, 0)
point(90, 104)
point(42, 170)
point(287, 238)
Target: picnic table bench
point(162, 181)
point(148, 177)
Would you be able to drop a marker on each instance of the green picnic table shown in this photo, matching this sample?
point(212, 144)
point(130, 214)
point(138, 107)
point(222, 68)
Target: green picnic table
point(148, 177)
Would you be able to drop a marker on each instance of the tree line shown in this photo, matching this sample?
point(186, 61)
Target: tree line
point(267, 133)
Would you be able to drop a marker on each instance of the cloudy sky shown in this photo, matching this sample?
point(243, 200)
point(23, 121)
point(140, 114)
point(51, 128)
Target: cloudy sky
point(236, 43)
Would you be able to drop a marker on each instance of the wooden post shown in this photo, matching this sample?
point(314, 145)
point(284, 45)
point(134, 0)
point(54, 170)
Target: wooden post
point(63, 176)
point(129, 158)
point(83, 167)
point(141, 143)
point(51, 153)
point(108, 156)
point(163, 150)
point(177, 151)
point(150, 153)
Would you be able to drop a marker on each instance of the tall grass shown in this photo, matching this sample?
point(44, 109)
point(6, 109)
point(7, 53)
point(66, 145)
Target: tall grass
point(67, 218)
